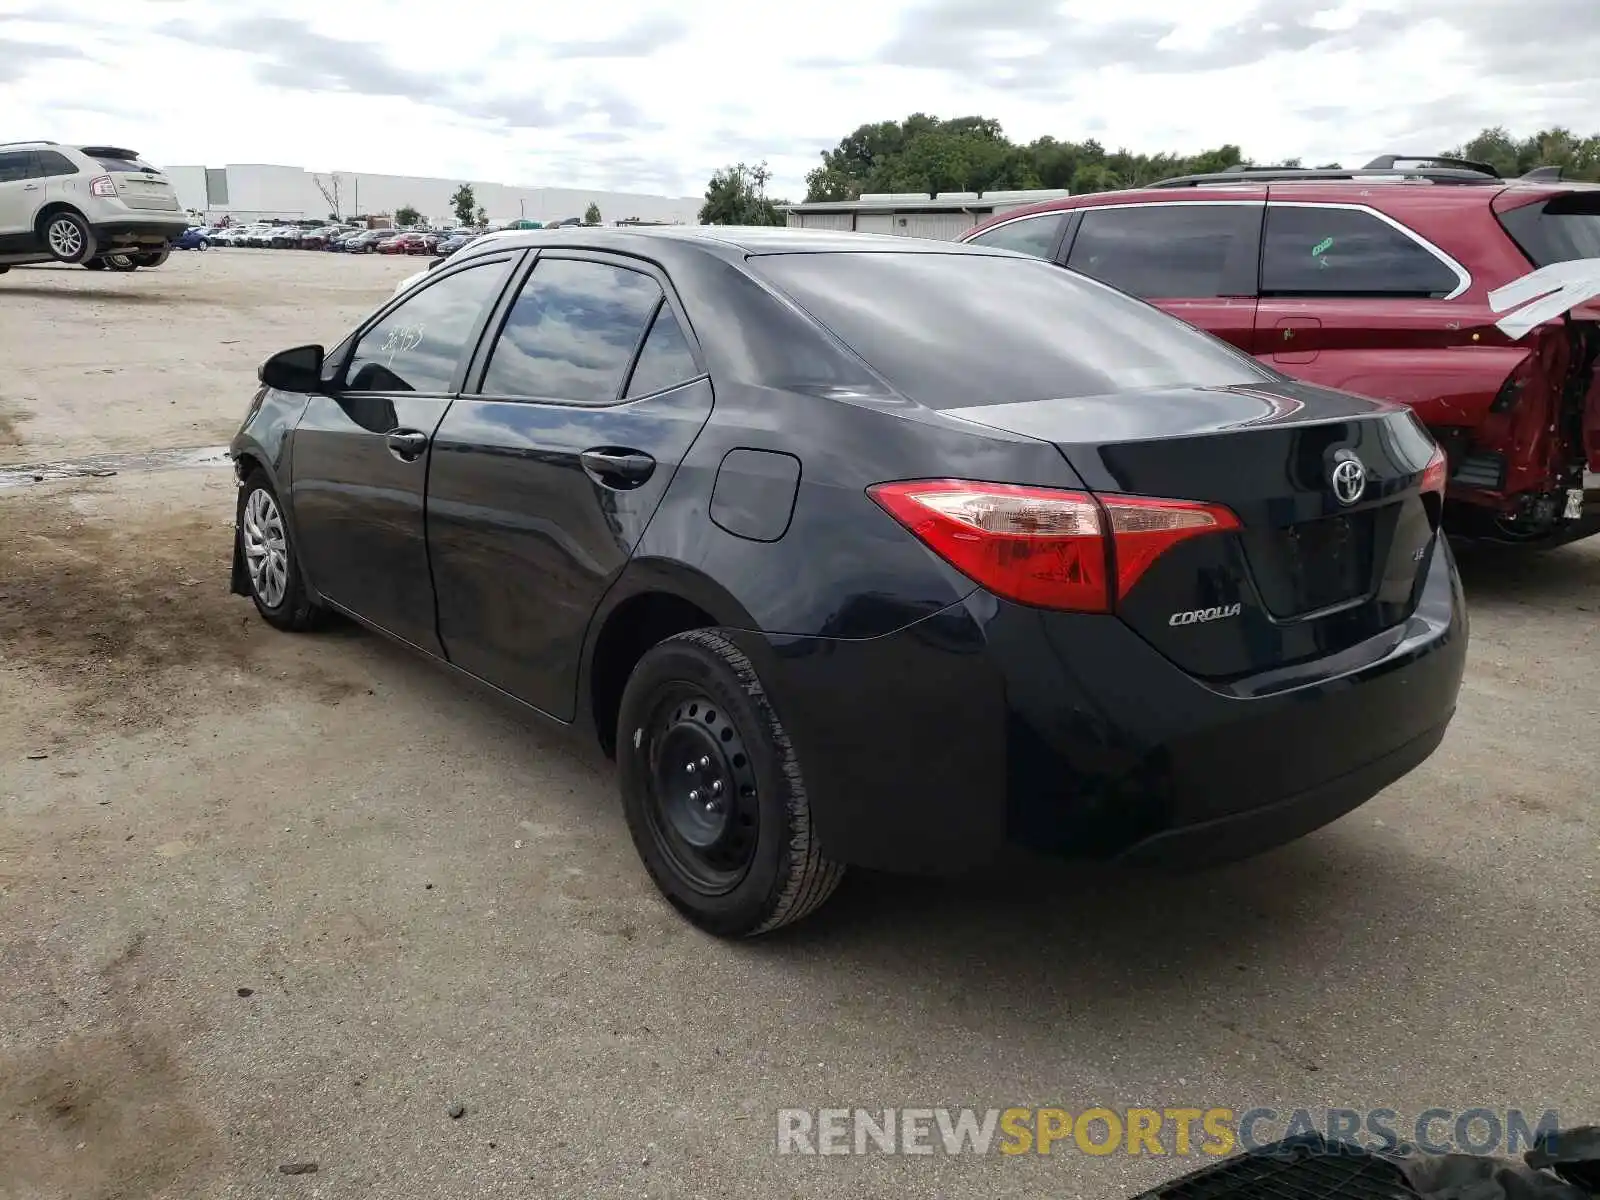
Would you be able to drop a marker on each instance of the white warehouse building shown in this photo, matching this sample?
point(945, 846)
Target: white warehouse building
point(944, 216)
point(260, 191)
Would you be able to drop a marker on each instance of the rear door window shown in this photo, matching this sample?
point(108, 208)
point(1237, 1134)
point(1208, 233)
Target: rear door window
point(418, 346)
point(1027, 235)
point(1318, 251)
point(572, 333)
point(1180, 251)
point(16, 165)
point(665, 359)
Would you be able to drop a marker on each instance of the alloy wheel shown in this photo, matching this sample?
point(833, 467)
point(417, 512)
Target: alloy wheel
point(65, 238)
point(266, 547)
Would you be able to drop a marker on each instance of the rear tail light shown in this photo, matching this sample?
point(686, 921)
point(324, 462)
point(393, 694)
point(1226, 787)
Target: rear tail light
point(1043, 546)
point(1436, 474)
point(103, 186)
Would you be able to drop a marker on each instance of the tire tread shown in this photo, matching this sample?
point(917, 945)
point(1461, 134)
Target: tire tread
point(811, 877)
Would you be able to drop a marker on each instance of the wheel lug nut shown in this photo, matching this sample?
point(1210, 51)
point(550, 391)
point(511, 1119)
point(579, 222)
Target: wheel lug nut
point(694, 796)
point(691, 768)
point(704, 762)
point(716, 787)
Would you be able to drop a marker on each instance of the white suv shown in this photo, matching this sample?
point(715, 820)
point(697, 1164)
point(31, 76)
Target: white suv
point(95, 205)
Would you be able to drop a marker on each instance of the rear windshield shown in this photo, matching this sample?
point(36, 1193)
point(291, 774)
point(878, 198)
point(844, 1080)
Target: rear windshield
point(112, 162)
point(958, 330)
point(1559, 230)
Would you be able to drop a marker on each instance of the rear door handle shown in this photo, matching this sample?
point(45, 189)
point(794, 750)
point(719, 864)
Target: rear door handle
point(407, 444)
point(618, 468)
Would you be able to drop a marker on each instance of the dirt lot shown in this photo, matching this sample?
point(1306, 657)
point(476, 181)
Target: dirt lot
point(268, 900)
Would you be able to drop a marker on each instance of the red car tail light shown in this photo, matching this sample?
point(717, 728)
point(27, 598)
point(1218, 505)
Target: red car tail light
point(1436, 474)
point(1043, 546)
point(1144, 529)
point(103, 186)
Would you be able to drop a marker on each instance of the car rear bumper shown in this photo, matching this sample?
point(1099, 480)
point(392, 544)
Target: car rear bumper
point(140, 233)
point(989, 723)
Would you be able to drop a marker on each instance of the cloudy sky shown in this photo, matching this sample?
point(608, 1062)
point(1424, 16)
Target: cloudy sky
point(635, 95)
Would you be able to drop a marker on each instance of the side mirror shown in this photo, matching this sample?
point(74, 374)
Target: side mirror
point(438, 262)
point(296, 370)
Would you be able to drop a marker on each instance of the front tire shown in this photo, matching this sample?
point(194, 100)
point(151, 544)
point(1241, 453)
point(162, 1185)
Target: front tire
point(713, 793)
point(68, 238)
point(271, 566)
point(151, 258)
point(119, 262)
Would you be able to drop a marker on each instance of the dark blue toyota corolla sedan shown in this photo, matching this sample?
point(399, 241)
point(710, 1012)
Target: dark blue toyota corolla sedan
point(875, 551)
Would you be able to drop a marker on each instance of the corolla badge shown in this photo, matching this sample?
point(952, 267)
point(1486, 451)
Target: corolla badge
point(1202, 616)
point(1348, 477)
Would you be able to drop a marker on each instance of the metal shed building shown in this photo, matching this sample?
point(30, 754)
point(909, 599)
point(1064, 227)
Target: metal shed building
point(943, 216)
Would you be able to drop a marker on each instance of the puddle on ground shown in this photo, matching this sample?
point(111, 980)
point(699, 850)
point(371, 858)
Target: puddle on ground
point(106, 465)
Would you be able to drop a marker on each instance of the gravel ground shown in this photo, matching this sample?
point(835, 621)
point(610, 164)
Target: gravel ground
point(268, 900)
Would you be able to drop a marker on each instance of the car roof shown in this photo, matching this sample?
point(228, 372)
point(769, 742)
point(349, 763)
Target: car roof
point(730, 241)
point(1392, 194)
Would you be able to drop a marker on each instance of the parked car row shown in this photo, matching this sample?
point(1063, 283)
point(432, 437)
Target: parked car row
point(341, 238)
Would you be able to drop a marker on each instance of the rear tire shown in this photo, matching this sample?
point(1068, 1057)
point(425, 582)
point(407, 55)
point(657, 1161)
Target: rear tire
point(151, 258)
point(271, 564)
point(713, 793)
point(119, 262)
point(67, 237)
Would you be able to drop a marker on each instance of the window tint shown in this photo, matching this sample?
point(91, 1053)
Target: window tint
point(112, 162)
point(572, 332)
point(1176, 251)
point(666, 360)
point(1344, 252)
point(50, 163)
point(1559, 230)
point(15, 166)
point(417, 347)
point(1029, 235)
point(957, 330)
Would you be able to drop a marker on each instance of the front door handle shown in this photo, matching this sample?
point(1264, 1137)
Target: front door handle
point(406, 444)
point(618, 468)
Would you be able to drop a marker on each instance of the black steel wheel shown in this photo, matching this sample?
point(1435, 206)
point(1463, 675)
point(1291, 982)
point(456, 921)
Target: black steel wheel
point(703, 789)
point(713, 791)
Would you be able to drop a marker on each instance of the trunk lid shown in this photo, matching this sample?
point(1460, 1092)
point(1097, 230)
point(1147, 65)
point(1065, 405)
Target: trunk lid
point(1309, 574)
point(139, 185)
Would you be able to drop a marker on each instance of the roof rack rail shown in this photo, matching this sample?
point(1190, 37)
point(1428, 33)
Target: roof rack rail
point(1387, 162)
point(1545, 174)
point(1312, 174)
point(31, 142)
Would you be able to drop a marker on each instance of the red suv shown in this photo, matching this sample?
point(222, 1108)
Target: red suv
point(1470, 297)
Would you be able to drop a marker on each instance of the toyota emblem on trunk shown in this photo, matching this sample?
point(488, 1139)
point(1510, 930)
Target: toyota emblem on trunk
point(1349, 478)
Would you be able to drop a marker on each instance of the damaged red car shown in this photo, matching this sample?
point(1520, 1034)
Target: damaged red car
point(1429, 281)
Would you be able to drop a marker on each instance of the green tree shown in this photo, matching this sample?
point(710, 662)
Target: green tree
point(483, 216)
point(737, 195)
point(463, 203)
point(1578, 157)
point(406, 215)
point(591, 215)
